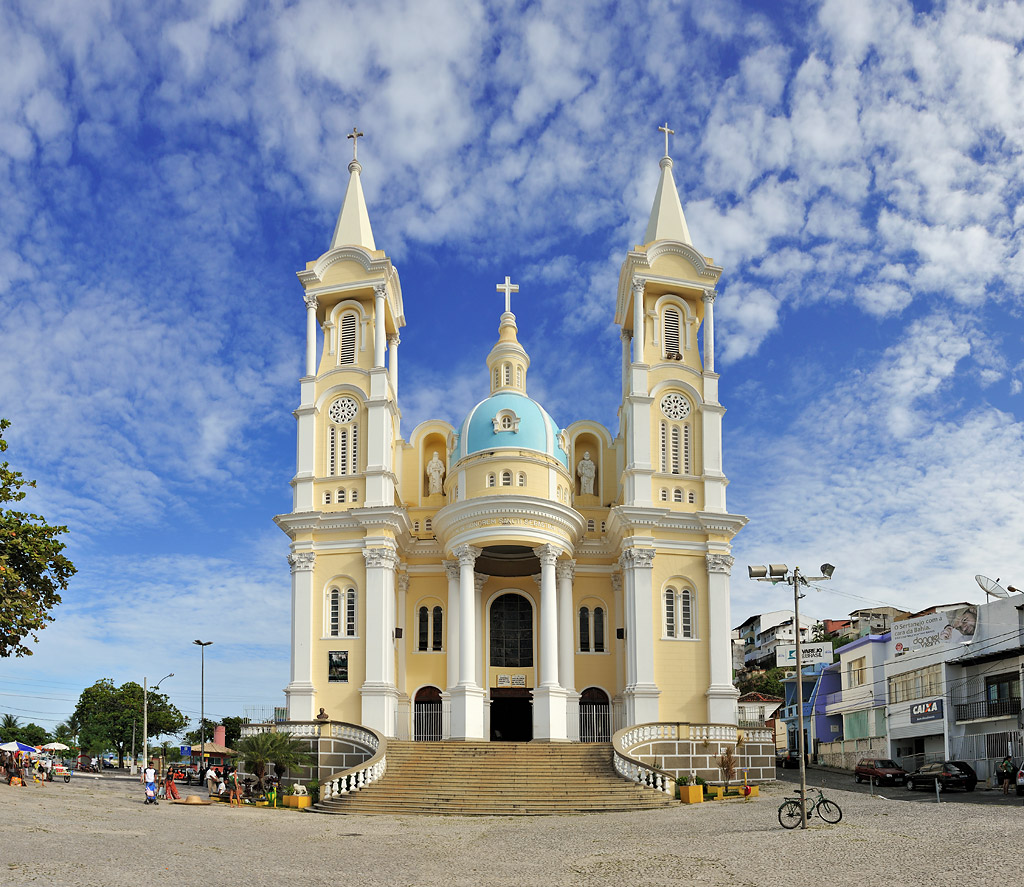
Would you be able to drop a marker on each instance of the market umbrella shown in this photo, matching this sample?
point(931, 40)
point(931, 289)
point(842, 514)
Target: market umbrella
point(16, 746)
point(56, 746)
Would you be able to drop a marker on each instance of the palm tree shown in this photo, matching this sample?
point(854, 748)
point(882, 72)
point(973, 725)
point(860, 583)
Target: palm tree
point(277, 748)
point(10, 727)
point(65, 733)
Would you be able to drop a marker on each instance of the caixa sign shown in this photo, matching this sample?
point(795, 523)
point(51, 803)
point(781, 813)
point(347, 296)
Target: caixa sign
point(926, 711)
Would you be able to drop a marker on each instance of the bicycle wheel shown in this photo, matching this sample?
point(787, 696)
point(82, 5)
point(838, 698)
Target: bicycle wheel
point(829, 811)
point(789, 814)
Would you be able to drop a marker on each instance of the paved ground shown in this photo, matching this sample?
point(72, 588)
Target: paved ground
point(97, 833)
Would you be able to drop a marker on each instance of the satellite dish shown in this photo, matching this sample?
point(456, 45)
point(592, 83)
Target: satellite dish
point(991, 587)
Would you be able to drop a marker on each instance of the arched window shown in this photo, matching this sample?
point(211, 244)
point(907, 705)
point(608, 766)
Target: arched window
point(511, 639)
point(598, 630)
point(592, 629)
point(327, 497)
point(424, 629)
point(437, 629)
point(415, 526)
point(584, 630)
point(680, 613)
point(506, 423)
point(591, 526)
point(350, 612)
point(490, 480)
point(343, 438)
point(341, 495)
point(354, 497)
point(521, 479)
point(347, 348)
point(670, 324)
point(341, 612)
point(664, 495)
point(676, 450)
point(603, 525)
point(334, 613)
point(428, 525)
point(497, 377)
point(691, 498)
point(677, 495)
point(506, 478)
point(508, 374)
point(429, 629)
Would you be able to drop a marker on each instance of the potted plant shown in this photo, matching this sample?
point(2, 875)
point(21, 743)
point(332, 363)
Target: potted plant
point(689, 793)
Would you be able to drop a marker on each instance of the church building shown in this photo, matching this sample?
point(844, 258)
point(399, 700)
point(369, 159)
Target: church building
point(509, 578)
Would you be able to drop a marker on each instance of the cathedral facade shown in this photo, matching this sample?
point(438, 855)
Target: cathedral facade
point(509, 579)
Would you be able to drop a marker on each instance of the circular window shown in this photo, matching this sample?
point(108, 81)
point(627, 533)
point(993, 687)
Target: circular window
point(343, 410)
point(675, 406)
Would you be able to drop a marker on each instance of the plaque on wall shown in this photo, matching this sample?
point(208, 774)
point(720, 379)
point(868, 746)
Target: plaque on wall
point(518, 680)
point(504, 680)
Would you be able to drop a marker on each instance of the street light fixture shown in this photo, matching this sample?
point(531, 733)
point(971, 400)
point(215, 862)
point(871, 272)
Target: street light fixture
point(145, 717)
point(776, 573)
point(202, 700)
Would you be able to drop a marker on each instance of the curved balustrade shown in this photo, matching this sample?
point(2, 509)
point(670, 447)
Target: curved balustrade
point(338, 785)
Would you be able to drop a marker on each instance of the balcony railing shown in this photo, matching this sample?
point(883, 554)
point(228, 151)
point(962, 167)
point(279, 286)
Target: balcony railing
point(971, 711)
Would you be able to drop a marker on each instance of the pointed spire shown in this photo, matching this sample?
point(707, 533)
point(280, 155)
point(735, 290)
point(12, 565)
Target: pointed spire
point(667, 221)
point(353, 227)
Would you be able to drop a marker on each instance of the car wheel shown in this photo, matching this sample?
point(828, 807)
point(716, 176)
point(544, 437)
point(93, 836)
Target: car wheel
point(1020, 791)
point(971, 786)
point(910, 785)
point(878, 782)
point(856, 778)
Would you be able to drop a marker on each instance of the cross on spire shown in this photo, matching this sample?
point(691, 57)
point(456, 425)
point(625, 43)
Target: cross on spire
point(355, 135)
point(663, 129)
point(508, 288)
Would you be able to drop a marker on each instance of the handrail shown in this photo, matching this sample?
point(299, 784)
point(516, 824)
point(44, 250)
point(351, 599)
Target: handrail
point(637, 771)
point(354, 778)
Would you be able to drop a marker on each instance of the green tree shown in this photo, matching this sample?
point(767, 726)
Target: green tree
point(32, 567)
point(33, 734)
point(232, 731)
point(194, 738)
point(768, 682)
point(66, 733)
point(263, 749)
point(10, 726)
point(110, 716)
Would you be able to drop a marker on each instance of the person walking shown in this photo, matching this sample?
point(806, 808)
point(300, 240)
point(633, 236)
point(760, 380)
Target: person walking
point(234, 788)
point(170, 789)
point(1006, 769)
point(149, 780)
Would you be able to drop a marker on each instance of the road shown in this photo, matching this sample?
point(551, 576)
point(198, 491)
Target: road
point(831, 779)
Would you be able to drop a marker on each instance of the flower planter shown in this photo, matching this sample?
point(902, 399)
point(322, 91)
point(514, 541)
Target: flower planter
point(691, 794)
point(297, 801)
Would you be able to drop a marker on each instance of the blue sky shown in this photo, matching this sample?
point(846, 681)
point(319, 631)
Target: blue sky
point(164, 171)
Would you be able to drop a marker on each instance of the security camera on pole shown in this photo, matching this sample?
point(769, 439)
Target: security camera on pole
point(776, 573)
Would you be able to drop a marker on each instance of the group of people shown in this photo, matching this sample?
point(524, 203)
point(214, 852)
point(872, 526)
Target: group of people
point(218, 785)
point(17, 769)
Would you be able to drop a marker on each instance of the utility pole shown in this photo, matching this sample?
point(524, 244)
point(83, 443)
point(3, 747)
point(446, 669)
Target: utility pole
point(775, 573)
point(202, 702)
point(145, 717)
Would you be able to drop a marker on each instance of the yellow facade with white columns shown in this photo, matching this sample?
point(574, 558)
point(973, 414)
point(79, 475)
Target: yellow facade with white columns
point(509, 578)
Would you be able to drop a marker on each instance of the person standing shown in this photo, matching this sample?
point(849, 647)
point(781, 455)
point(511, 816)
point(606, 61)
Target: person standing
point(212, 780)
point(1006, 769)
point(149, 780)
point(235, 788)
point(170, 789)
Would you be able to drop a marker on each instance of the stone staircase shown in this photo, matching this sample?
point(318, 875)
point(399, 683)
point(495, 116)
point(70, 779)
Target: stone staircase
point(497, 779)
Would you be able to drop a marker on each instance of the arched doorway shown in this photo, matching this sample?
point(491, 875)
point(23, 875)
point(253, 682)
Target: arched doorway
point(595, 716)
point(511, 647)
point(427, 715)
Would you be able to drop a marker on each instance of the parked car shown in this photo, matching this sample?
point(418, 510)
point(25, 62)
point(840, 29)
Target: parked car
point(879, 771)
point(1020, 781)
point(948, 774)
point(787, 758)
point(184, 773)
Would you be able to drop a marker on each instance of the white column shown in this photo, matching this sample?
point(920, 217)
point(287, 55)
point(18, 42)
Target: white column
point(721, 693)
point(638, 320)
point(393, 342)
point(564, 572)
point(378, 692)
point(403, 589)
point(709, 330)
point(379, 321)
point(300, 693)
point(451, 568)
point(549, 697)
point(467, 697)
point(310, 335)
point(619, 648)
point(626, 336)
point(641, 692)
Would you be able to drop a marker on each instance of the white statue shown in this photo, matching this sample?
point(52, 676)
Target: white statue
point(586, 470)
point(435, 475)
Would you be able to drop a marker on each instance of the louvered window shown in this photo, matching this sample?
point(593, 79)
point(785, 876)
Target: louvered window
point(429, 525)
point(334, 628)
point(671, 332)
point(670, 612)
point(355, 449)
point(497, 377)
point(584, 630)
point(521, 479)
point(677, 495)
point(332, 451)
point(355, 496)
point(674, 450)
point(685, 614)
point(506, 478)
point(327, 497)
point(350, 612)
point(686, 449)
point(342, 467)
point(341, 495)
point(664, 495)
point(508, 374)
point(664, 446)
point(519, 377)
point(347, 351)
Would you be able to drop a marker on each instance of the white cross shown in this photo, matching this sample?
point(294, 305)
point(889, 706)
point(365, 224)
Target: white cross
point(666, 130)
point(355, 135)
point(508, 288)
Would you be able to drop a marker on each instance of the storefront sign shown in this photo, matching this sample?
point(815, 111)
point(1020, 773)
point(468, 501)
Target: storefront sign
point(810, 654)
point(926, 711)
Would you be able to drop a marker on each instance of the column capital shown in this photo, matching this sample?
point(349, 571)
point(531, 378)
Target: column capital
point(467, 555)
point(536, 577)
point(302, 561)
point(626, 335)
point(565, 569)
point(709, 296)
point(638, 284)
point(394, 339)
point(637, 557)
point(310, 300)
point(616, 582)
point(380, 290)
point(403, 582)
point(479, 580)
point(451, 569)
point(381, 557)
point(548, 554)
point(720, 563)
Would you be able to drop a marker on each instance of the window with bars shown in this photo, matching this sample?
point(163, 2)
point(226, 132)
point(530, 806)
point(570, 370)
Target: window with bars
point(506, 478)
point(519, 377)
point(347, 346)
point(341, 604)
point(671, 328)
point(497, 377)
point(341, 495)
point(350, 612)
point(354, 497)
point(670, 612)
point(675, 448)
point(691, 497)
point(355, 449)
point(677, 495)
point(591, 526)
point(334, 617)
point(342, 466)
point(327, 497)
point(490, 480)
point(428, 525)
point(508, 374)
point(521, 479)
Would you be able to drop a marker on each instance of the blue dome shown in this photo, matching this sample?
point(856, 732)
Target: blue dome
point(536, 429)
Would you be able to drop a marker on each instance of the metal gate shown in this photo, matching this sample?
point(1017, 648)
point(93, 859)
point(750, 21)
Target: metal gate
point(595, 722)
point(427, 721)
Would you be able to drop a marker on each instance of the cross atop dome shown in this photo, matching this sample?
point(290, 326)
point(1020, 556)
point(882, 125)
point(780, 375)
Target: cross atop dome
point(508, 288)
point(663, 129)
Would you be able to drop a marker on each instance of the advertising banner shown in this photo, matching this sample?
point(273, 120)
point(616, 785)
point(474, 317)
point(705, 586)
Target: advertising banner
point(926, 711)
point(935, 630)
point(810, 654)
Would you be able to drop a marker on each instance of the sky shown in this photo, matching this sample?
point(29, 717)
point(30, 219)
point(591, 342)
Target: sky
point(166, 168)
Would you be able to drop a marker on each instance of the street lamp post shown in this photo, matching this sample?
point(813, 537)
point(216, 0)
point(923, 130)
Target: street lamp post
point(202, 701)
point(775, 573)
point(145, 717)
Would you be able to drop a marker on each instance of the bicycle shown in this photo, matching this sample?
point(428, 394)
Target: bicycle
point(789, 810)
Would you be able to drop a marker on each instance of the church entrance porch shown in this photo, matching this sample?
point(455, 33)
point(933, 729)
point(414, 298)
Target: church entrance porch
point(511, 715)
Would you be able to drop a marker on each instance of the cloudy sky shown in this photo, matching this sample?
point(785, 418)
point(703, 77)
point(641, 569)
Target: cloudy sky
point(165, 168)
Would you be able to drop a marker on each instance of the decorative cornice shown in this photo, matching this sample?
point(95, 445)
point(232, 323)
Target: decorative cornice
point(633, 558)
point(511, 511)
point(381, 557)
point(394, 339)
point(479, 581)
point(720, 563)
point(302, 561)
